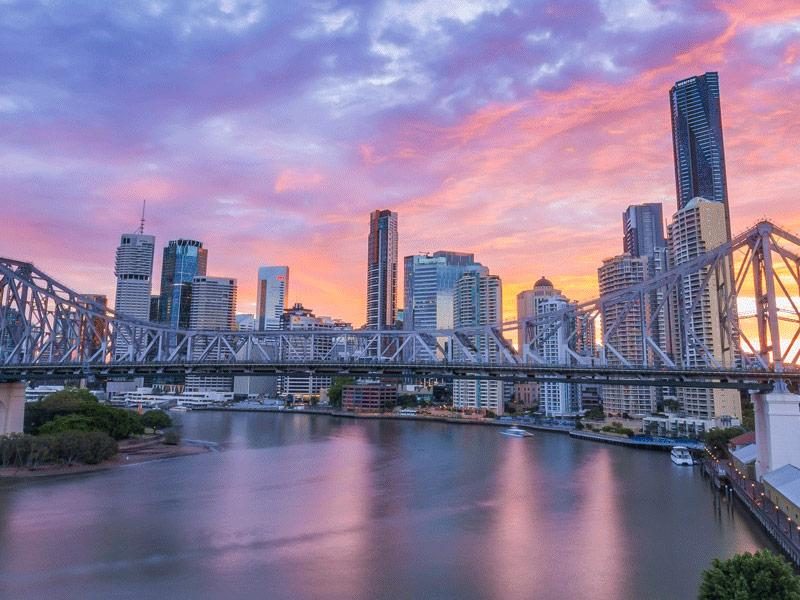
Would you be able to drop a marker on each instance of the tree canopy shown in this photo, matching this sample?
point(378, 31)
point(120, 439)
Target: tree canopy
point(750, 577)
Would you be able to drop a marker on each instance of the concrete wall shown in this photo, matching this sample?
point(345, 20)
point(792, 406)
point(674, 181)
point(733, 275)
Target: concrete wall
point(777, 431)
point(12, 407)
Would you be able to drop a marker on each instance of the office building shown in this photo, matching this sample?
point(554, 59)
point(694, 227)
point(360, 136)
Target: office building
point(370, 396)
point(477, 301)
point(134, 271)
point(382, 270)
point(245, 322)
point(213, 308)
point(272, 297)
point(183, 260)
point(299, 318)
point(623, 334)
point(697, 142)
point(94, 331)
point(429, 283)
point(705, 331)
point(548, 343)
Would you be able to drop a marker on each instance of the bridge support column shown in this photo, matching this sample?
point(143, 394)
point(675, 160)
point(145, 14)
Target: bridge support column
point(12, 407)
point(777, 431)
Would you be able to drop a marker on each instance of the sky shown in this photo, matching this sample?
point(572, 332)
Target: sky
point(269, 130)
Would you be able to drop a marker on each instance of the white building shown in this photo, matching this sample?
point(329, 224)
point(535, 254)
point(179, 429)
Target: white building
point(555, 399)
point(478, 300)
point(700, 339)
point(623, 333)
point(213, 308)
point(272, 297)
point(134, 271)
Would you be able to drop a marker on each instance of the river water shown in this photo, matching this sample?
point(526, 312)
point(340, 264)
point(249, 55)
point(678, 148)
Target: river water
point(302, 506)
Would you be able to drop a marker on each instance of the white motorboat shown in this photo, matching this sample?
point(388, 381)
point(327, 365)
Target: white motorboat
point(515, 431)
point(680, 455)
point(180, 408)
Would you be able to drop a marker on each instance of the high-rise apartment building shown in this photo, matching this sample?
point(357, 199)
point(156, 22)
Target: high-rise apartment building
point(183, 260)
point(430, 280)
point(705, 335)
point(643, 229)
point(134, 271)
point(382, 270)
point(213, 308)
point(551, 346)
point(623, 333)
point(478, 300)
point(299, 318)
point(272, 297)
point(697, 142)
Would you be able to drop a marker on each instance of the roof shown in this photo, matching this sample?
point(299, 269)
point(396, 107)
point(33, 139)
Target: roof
point(745, 454)
point(786, 480)
point(744, 439)
point(543, 282)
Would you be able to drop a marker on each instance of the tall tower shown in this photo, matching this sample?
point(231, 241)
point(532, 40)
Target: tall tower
point(273, 297)
point(697, 142)
point(478, 300)
point(643, 229)
point(703, 337)
point(183, 261)
point(134, 270)
point(213, 308)
point(382, 270)
point(623, 333)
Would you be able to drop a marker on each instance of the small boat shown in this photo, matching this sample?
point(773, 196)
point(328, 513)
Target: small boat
point(680, 455)
point(515, 431)
point(179, 408)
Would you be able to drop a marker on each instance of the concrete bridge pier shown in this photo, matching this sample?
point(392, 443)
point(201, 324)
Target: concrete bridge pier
point(12, 407)
point(777, 430)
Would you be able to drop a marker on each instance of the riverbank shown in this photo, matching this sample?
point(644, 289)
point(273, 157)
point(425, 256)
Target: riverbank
point(131, 452)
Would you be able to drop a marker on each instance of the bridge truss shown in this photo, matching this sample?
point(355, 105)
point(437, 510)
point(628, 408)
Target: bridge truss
point(751, 285)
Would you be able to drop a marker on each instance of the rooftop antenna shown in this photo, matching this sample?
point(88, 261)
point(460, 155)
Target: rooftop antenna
point(141, 223)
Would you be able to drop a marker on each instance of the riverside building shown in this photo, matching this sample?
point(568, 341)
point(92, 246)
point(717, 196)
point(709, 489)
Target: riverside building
point(477, 301)
point(213, 308)
point(133, 268)
point(701, 336)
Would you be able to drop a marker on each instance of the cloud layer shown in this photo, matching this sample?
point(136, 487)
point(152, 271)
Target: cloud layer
point(517, 130)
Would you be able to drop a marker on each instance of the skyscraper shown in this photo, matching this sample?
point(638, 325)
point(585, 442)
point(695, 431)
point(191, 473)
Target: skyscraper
point(134, 271)
point(555, 399)
point(273, 297)
point(643, 229)
point(430, 280)
point(697, 142)
point(478, 300)
point(183, 260)
point(213, 307)
point(623, 334)
point(704, 332)
point(382, 270)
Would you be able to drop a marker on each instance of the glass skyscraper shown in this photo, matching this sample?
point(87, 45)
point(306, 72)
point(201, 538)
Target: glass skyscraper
point(183, 260)
point(697, 141)
point(643, 229)
point(272, 298)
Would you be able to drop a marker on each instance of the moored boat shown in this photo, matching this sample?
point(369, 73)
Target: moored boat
point(680, 455)
point(515, 431)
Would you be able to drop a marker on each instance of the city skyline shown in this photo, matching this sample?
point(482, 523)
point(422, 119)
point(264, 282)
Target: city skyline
point(501, 170)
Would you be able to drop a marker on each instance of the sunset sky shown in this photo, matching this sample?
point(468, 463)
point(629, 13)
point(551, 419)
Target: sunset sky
point(519, 131)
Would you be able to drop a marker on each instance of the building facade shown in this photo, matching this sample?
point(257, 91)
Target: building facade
point(550, 345)
point(183, 260)
point(704, 335)
point(623, 325)
point(478, 300)
point(272, 298)
point(134, 271)
point(382, 270)
point(372, 397)
point(697, 142)
point(213, 308)
point(430, 281)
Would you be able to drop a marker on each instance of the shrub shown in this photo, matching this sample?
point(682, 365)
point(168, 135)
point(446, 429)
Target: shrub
point(67, 423)
point(172, 438)
point(750, 577)
point(67, 447)
point(156, 419)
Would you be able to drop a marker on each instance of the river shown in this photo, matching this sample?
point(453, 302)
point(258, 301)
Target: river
point(301, 506)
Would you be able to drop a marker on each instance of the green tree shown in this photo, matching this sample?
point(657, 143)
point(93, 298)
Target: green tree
point(57, 404)
point(750, 577)
point(156, 419)
point(718, 439)
point(335, 391)
point(74, 422)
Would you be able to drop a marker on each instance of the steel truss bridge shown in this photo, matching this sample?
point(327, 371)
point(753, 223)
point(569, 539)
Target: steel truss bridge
point(48, 331)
